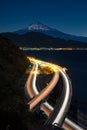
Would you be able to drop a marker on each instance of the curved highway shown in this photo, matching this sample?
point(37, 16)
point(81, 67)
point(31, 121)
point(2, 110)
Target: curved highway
point(45, 92)
point(46, 107)
point(29, 82)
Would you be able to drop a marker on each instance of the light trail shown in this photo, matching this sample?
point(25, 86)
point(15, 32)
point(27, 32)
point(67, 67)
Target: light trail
point(62, 112)
point(29, 88)
point(34, 80)
point(45, 92)
point(54, 67)
point(46, 107)
point(68, 124)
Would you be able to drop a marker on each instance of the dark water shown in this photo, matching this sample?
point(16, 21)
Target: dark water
point(76, 62)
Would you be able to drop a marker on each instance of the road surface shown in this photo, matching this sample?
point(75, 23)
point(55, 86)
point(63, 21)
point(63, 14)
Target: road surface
point(47, 108)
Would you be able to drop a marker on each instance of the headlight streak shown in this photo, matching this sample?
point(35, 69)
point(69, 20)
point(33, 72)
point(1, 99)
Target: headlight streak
point(54, 68)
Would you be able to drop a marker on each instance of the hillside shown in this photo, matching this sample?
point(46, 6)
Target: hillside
point(14, 112)
point(13, 64)
point(37, 39)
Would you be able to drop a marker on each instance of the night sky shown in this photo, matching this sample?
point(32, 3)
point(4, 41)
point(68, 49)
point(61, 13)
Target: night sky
point(69, 16)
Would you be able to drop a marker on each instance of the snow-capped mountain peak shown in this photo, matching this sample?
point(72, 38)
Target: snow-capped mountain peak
point(38, 26)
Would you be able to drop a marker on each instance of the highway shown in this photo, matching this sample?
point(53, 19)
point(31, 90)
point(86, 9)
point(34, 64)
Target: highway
point(39, 96)
point(45, 92)
point(29, 82)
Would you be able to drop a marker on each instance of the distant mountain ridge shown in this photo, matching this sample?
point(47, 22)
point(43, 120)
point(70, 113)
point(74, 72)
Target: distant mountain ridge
point(39, 27)
point(38, 40)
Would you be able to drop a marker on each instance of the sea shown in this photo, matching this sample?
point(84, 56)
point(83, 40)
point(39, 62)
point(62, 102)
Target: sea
point(76, 63)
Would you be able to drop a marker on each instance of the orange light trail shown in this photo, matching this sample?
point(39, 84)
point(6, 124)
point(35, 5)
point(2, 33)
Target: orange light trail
point(29, 88)
point(45, 91)
point(43, 64)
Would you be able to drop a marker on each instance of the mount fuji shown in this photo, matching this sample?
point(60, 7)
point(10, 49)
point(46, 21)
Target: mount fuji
point(39, 27)
point(36, 27)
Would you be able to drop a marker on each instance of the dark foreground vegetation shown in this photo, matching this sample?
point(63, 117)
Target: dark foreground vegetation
point(14, 113)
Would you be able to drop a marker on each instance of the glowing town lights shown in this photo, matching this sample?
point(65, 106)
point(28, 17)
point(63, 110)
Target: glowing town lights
point(33, 72)
point(47, 67)
point(65, 69)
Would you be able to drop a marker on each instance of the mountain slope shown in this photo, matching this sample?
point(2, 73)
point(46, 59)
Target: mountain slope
point(13, 64)
point(39, 27)
point(14, 113)
point(34, 27)
point(37, 39)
